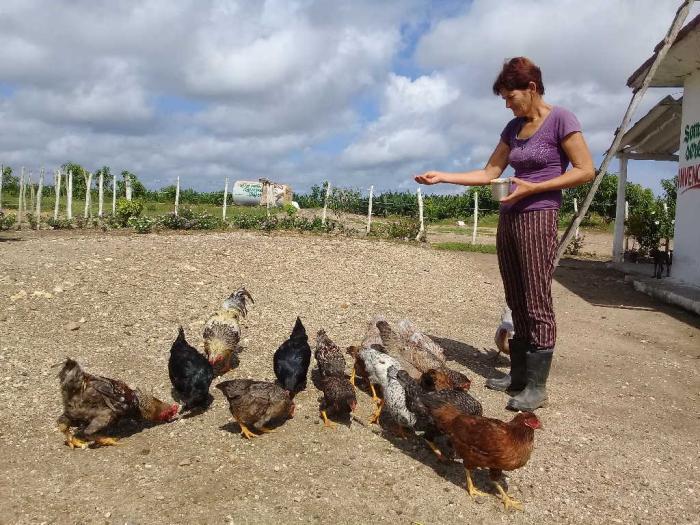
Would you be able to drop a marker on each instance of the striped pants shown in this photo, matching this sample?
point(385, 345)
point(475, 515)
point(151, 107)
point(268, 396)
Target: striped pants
point(527, 245)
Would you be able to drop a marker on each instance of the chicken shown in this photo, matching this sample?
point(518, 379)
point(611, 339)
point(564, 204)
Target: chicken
point(505, 331)
point(338, 393)
point(415, 392)
point(190, 374)
point(373, 338)
point(486, 443)
point(377, 366)
point(415, 359)
point(256, 403)
point(222, 332)
point(410, 333)
point(93, 403)
point(291, 360)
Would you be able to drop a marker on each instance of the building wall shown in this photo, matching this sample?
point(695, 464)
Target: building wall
point(686, 253)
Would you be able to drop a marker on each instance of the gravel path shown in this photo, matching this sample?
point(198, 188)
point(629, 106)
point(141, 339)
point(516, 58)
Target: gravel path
point(619, 444)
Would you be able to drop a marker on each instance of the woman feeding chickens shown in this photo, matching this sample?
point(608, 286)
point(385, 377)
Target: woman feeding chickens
point(539, 143)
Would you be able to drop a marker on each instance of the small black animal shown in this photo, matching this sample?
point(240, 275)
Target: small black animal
point(661, 259)
point(191, 374)
point(291, 360)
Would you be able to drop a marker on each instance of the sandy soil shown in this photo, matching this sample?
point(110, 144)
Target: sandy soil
point(620, 438)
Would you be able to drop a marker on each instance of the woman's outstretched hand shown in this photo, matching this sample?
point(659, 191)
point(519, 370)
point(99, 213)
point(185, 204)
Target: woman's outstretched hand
point(429, 177)
point(522, 189)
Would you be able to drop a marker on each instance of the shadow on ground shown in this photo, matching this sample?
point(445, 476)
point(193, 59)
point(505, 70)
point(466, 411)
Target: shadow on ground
point(605, 287)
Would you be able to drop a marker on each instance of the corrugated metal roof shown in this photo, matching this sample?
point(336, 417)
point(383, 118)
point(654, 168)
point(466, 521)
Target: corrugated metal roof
point(658, 133)
point(682, 59)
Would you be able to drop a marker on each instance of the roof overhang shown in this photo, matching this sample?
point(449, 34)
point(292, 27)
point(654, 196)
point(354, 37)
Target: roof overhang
point(657, 135)
point(682, 60)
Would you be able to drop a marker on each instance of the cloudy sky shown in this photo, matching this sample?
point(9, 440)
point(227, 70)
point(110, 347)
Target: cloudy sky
point(359, 93)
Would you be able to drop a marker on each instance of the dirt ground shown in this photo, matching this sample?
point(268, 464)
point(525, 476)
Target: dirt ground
point(620, 438)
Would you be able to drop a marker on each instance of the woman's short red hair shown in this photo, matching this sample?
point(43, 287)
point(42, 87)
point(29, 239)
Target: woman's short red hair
point(517, 73)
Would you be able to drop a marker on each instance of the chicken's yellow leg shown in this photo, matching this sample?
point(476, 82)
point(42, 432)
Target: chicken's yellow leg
point(436, 450)
point(245, 432)
point(471, 489)
point(352, 376)
point(375, 397)
point(327, 422)
point(508, 502)
point(71, 440)
point(266, 430)
point(375, 415)
point(106, 441)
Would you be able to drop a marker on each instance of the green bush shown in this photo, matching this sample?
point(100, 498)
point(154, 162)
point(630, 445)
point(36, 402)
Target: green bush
point(6, 221)
point(142, 224)
point(127, 209)
point(59, 224)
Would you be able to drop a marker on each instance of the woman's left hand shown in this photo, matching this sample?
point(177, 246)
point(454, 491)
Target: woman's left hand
point(523, 188)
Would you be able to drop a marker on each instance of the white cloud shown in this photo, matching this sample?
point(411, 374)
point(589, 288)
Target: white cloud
point(207, 89)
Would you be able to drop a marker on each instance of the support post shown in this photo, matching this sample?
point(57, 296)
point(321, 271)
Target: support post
point(20, 204)
point(575, 212)
point(100, 194)
point(223, 212)
point(476, 216)
point(177, 196)
point(114, 195)
point(31, 194)
point(421, 228)
point(681, 15)
point(88, 200)
point(620, 215)
point(39, 194)
point(2, 173)
point(325, 203)
point(127, 185)
point(369, 209)
point(69, 196)
point(57, 191)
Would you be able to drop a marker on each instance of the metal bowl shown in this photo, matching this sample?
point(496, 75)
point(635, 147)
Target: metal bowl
point(500, 188)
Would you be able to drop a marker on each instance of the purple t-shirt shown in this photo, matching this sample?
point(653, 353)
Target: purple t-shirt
point(539, 157)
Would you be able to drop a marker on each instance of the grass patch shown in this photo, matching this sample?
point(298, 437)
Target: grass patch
point(465, 247)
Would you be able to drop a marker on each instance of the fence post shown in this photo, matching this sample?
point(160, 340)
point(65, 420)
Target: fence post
point(20, 204)
point(268, 196)
point(127, 185)
point(177, 196)
point(576, 213)
point(100, 195)
point(57, 191)
point(421, 229)
point(114, 195)
point(39, 194)
point(31, 194)
point(2, 172)
point(88, 200)
point(476, 216)
point(369, 209)
point(325, 203)
point(69, 196)
point(223, 213)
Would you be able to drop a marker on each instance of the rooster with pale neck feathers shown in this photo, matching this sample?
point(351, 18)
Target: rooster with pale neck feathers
point(222, 332)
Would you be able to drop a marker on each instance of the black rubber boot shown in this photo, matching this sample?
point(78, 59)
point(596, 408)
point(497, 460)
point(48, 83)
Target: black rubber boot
point(516, 380)
point(534, 395)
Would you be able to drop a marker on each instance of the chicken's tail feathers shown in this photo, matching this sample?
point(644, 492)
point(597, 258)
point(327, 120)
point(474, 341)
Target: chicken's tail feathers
point(180, 335)
point(71, 373)
point(237, 300)
point(389, 337)
point(298, 330)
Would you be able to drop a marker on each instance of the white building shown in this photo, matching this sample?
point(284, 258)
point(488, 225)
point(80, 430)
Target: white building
point(679, 68)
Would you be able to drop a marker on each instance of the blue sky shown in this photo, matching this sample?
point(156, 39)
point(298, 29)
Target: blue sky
point(362, 93)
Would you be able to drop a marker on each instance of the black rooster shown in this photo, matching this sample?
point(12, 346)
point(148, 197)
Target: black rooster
point(291, 360)
point(191, 374)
